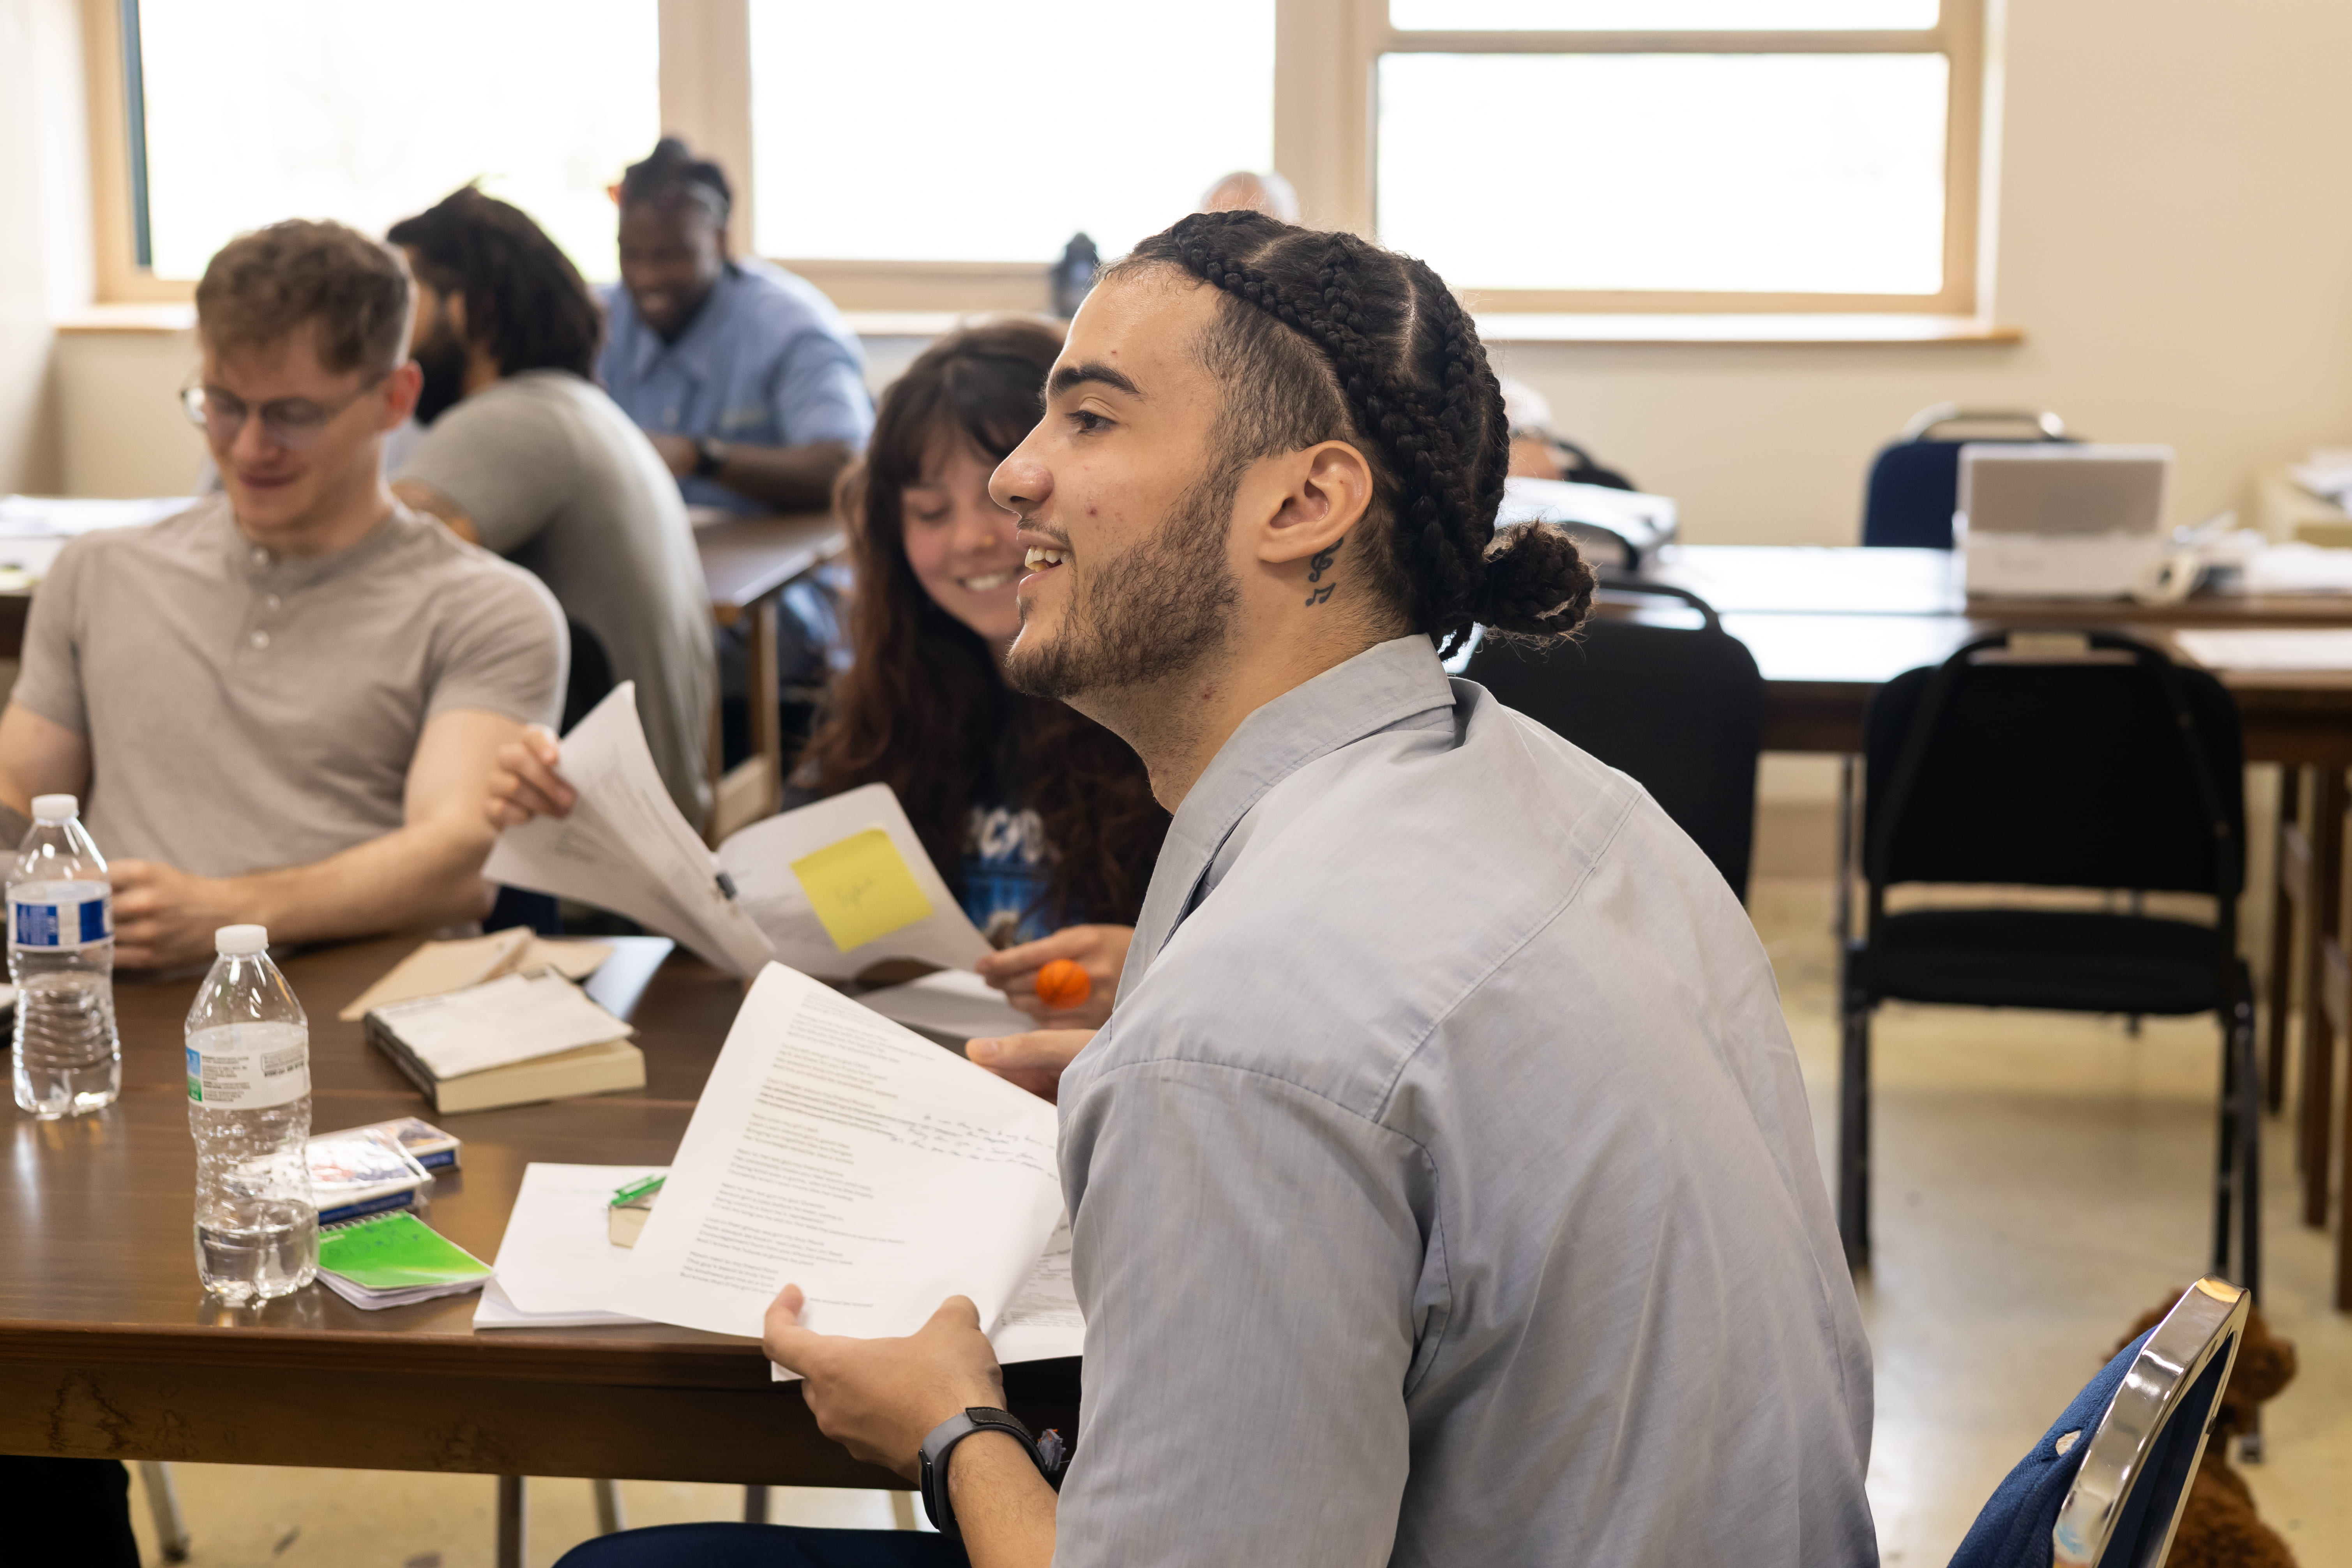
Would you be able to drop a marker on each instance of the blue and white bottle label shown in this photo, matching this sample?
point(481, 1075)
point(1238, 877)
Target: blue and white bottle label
point(60, 925)
point(249, 1067)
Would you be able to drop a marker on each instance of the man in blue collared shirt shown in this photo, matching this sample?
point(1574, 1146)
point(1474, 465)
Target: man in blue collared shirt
point(747, 381)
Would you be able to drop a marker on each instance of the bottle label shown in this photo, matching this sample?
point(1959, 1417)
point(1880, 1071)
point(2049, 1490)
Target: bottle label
point(60, 925)
point(251, 1076)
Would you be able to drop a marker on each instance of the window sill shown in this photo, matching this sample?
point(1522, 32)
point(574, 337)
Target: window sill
point(1707, 329)
point(1497, 327)
point(123, 318)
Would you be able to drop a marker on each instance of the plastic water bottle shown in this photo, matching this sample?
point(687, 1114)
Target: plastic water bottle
point(249, 1107)
point(61, 959)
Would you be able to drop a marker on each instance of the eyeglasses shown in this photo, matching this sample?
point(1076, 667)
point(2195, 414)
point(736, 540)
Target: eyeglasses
point(292, 422)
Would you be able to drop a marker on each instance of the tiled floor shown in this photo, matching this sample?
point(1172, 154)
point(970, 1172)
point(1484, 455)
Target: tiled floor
point(2042, 1180)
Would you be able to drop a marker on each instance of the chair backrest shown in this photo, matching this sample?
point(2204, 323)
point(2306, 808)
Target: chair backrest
point(2104, 1486)
point(1915, 481)
point(1680, 709)
point(589, 681)
point(2061, 759)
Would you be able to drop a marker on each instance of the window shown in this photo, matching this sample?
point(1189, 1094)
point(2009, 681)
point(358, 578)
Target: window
point(1822, 157)
point(258, 110)
point(988, 140)
point(1567, 156)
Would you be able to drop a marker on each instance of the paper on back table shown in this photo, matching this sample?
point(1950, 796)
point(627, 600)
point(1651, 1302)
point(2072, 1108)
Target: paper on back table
point(2326, 649)
point(834, 1149)
point(624, 847)
point(857, 852)
point(556, 1258)
point(948, 1004)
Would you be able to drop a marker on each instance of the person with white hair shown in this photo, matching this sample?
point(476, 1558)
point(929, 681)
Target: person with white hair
point(1245, 191)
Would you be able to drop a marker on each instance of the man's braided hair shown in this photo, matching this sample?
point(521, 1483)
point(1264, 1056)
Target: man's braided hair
point(1324, 337)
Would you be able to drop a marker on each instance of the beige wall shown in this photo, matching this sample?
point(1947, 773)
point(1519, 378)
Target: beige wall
point(2172, 235)
point(45, 225)
point(120, 430)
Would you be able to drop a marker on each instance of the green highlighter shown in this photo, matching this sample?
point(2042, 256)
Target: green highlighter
point(399, 1253)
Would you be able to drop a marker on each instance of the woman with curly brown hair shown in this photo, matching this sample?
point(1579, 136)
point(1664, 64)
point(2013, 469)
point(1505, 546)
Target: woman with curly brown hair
point(1040, 821)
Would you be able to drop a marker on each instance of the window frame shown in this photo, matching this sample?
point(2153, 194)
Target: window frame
point(1326, 58)
point(1958, 35)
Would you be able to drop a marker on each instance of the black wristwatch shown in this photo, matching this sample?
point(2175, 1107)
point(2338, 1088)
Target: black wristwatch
point(1045, 1452)
point(709, 457)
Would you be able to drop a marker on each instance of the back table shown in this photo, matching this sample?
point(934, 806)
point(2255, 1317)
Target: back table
point(109, 1347)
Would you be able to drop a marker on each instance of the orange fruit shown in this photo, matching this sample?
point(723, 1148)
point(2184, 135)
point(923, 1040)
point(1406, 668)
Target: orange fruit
point(1064, 984)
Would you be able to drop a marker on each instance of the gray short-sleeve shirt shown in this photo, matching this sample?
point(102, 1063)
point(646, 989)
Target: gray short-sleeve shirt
point(1443, 1187)
point(557, 480)
point(246, 711)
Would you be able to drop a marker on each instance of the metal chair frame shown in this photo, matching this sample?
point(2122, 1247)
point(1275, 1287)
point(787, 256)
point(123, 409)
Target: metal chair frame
point(2208, 1324)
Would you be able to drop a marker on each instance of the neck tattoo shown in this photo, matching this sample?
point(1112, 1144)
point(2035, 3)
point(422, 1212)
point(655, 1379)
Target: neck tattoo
point(1318, 564)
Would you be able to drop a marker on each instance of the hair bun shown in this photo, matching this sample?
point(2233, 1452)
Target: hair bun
point(1535, 583)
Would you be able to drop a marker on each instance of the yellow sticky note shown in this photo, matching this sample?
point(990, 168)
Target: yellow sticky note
point(861, 888)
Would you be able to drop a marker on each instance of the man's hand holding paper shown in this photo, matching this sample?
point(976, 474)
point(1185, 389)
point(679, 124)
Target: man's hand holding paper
point(623, 845)
point(879, 1398)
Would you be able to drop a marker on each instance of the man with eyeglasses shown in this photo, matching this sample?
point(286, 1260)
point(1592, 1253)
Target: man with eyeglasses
point(282, 705)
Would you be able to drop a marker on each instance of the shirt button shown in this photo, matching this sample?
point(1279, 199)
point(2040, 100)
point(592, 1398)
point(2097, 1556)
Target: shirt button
point(260, 556)
point(271, 602)
point(260, 639)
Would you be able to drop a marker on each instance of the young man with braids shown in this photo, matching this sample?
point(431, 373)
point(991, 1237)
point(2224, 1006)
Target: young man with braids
point(524, 454)
point(1443, 1185)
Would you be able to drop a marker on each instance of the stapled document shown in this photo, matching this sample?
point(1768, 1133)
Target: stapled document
point(624, 847)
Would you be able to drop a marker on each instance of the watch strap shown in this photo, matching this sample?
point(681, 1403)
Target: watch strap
point(940, 1444)
point(709, 457)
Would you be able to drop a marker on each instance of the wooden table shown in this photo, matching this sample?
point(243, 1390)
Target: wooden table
point(110, 1349)
point(747, 564)
point(1828, 625)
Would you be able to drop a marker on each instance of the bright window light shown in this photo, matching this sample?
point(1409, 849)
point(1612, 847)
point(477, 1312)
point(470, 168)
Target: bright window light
point(263, 110)
point(1771, 174)
point(948, 131)
point(1661, 16)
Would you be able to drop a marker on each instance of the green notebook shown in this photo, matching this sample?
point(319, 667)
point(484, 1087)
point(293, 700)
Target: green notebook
point(396, 1251)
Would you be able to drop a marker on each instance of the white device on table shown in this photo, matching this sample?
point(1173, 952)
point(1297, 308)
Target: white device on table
point(2060, 519)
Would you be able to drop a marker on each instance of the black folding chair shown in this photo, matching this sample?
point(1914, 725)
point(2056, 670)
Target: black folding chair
point(2056, 760)
point(2106, 1485)
point(1680, 707)
point(1915, 480)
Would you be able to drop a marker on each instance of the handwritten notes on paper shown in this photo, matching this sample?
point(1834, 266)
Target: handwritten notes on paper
point(835, 1151)
point(861, 889)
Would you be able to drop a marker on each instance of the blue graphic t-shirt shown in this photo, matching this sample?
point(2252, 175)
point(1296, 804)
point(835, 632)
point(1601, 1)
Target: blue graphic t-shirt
point(1005, 874)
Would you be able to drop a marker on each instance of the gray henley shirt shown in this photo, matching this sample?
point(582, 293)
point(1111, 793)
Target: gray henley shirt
point(245, 711)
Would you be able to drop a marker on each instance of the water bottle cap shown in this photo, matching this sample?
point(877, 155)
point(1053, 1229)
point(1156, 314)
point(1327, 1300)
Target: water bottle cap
point(56, 808)
point(241, 939)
